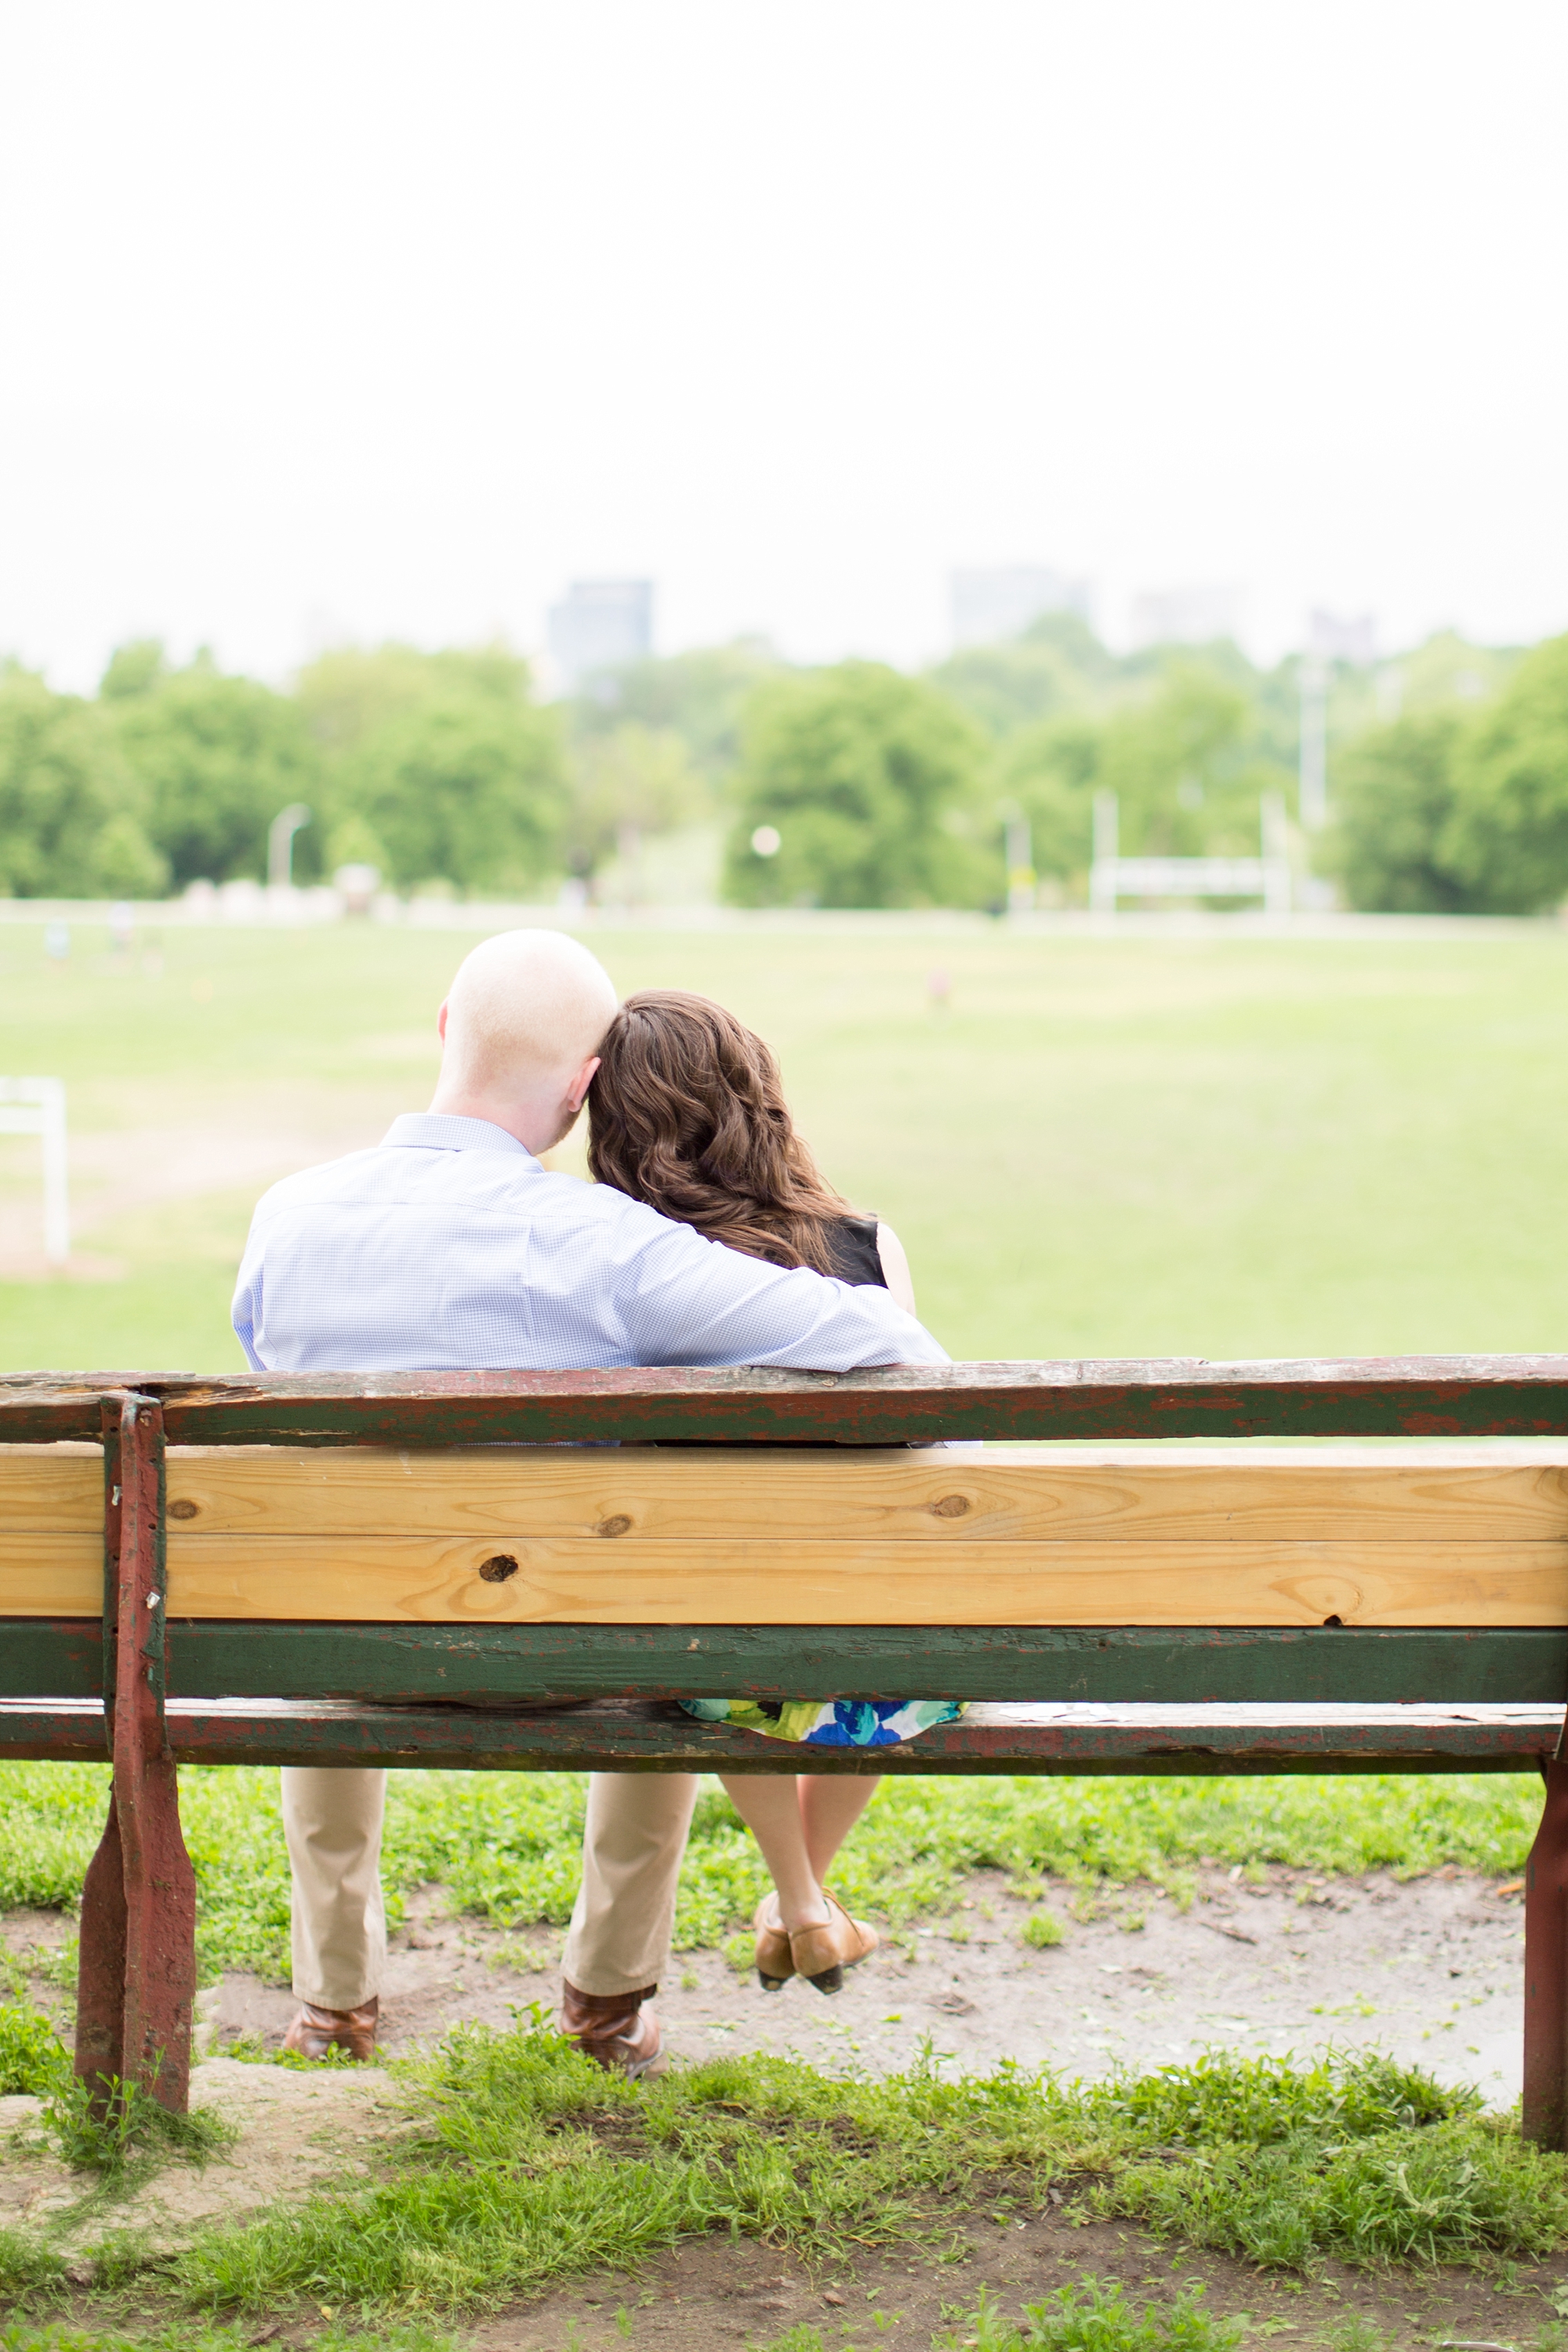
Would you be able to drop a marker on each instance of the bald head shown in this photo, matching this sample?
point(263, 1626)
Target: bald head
point(521, 1031)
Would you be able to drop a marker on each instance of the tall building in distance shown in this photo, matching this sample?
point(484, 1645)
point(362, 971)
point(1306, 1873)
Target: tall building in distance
point(599, 624)
point(1185, 616)
point(991, 605)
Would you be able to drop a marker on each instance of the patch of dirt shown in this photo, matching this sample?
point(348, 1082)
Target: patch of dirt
point(295, 2129)
point(1430, 1971)
point(708, 2297)
point(714, 2294)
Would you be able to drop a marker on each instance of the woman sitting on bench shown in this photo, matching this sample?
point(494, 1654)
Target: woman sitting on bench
point(687, 1113)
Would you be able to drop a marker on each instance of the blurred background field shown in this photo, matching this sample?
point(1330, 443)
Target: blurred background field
point(1213, 1145)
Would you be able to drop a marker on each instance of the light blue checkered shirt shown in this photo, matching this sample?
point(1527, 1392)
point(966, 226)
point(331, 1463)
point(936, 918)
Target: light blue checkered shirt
point(449, 1247)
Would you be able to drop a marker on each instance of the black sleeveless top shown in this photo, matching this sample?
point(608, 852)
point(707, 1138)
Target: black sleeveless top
point(852, 1245)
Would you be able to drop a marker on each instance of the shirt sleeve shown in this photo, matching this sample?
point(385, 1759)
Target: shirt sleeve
point(686, 1300)
point(245, 1314)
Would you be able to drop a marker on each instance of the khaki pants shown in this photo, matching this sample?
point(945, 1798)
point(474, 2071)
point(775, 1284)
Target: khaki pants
point(331, 1820)
point(619, 1938)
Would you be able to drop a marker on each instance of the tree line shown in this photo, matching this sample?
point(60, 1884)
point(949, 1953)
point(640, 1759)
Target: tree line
point(851, 785)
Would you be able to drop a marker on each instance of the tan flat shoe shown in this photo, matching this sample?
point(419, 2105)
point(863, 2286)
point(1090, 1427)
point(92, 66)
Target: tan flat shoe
point(821, 1954)
point(774, 1964)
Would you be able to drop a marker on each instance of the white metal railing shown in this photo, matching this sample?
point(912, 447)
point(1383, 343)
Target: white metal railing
point(1113, 876)
point(37, 1106)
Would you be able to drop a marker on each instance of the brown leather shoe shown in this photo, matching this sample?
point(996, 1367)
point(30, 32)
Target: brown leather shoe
point(821, 1954)
point(775, 1965)
point(316, 2031)
point(615, 2031)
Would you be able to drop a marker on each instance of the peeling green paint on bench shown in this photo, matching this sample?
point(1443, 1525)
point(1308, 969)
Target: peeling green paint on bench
point(1420, 1396)
point(211, 1658)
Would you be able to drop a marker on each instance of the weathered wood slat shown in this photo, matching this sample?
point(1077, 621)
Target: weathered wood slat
point(617, 1736)
point(1420, 1396)
point(637, 1494)
point(63, 1656)
point(212, 1658)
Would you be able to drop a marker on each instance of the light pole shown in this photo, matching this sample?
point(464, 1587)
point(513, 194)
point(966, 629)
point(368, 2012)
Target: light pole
point(280, 845)
point(1020, 855)
point(1312, 787)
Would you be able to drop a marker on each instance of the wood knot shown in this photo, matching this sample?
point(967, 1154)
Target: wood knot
point(616, 1526)
point(1334, 1621)
point(498, 1567)
point(182, 1510)
point(950, 1506)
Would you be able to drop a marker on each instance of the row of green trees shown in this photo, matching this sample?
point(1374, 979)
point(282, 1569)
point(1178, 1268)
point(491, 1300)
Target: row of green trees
point(427, 765)
point(853, 785)
point(1462, 807)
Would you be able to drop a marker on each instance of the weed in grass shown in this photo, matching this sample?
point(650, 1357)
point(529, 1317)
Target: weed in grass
point(27, 2269)
point(134, 2128)
point(31, 2059)
point(802, 2339)
point(1095, 2317)
point(1354, 2156)
point(1355, 2334)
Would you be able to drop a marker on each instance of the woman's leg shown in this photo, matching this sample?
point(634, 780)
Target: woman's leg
point(767, 1803)
point(830, 1805)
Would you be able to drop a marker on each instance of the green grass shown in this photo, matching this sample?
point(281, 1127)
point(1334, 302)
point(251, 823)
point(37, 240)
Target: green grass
point(1222, 1146)
point(506, 1844)
point(1093, 2318)
point(32, 2056)
point(188, 2335)
point(533, 2166)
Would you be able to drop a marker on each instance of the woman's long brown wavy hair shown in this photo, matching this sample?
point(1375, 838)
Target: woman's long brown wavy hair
point(686, 1112)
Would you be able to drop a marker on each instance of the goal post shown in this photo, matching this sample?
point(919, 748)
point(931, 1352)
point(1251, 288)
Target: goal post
point(37, 1106)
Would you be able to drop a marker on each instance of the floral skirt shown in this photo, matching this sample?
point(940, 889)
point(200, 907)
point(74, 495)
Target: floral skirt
point(831, 1722)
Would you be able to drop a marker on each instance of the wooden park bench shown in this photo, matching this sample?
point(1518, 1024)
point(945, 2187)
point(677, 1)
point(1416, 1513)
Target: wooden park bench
point(498, 1571)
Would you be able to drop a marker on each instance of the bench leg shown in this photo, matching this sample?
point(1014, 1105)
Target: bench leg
point(101, 1964)
point(1546, 1970)
point(137, 1981)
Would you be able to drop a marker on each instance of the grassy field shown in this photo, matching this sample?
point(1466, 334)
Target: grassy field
point(1219, 1146)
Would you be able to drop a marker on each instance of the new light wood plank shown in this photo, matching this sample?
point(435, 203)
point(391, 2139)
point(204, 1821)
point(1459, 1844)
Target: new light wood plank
point(51, 1486)
point(436, 1580)
point(645, 1495)
point(46, 1575)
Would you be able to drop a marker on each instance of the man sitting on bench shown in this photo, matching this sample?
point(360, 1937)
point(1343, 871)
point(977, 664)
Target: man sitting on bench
point(447, 1246)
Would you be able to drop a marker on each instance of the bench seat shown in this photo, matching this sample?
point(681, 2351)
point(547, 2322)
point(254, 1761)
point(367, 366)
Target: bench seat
point(642, 1734)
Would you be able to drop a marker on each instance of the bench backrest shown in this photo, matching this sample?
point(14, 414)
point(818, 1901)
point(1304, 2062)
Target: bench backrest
point(351, 1537)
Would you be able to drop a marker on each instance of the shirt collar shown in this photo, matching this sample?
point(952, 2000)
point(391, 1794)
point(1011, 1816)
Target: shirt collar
point(430, 1130)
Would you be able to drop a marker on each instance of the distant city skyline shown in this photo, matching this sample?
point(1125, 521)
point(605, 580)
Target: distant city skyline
point(1001, 600)
point(597, 625)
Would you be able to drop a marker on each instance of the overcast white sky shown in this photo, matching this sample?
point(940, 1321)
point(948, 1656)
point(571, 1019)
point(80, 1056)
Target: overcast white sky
point(339, 321)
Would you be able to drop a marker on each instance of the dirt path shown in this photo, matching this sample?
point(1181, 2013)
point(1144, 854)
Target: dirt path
point(1429, 1970)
